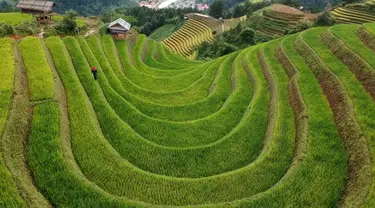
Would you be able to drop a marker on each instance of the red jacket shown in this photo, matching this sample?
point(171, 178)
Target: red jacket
point(93, 69)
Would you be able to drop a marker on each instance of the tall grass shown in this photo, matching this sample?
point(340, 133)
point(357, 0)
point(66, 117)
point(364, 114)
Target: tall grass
point(192, 133)
point(167, 161)
point(363, 105)
point(38, 72)
point(143, 50)
point(318, 179)
point(143, 183)
point(196, 110)
point(157, 59)
point(9, 196)
point(160, 83)
point(14, 18)
point(183, 96)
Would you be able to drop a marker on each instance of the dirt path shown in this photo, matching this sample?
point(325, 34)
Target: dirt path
point(15, 137)
point(41, 34)
point(90, 32)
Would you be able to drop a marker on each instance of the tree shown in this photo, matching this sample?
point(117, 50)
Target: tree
point(216, 8)
point(227, 14)
point(224, 48)
point(68, 26)
point(247, 36)
point(71, 15)
point(249, 8)
point(239, 10)
point(141, 18)
point(292, 3)
point(325, 20)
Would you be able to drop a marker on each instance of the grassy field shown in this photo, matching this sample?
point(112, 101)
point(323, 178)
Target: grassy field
point(287, 123)
point(14, 18)
point(163, 32)
point(80, 21)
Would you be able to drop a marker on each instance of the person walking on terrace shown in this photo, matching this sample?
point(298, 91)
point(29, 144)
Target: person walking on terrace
point(94, 72)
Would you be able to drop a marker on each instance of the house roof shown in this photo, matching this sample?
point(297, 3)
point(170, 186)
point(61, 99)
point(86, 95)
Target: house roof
point(121, 22)
point(37, 5)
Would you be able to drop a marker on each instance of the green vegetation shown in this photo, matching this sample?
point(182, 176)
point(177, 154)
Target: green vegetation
point(9, 196)
point(17, 24)
point(162, 32)
point(285, 123)
point(38, 72)
point(147, 20)
point(14, 18)
point(69, 25)
point(352, 15)
point(80, 21)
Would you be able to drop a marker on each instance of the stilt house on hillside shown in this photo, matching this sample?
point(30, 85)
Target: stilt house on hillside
point(119, 28)
point(42, 10)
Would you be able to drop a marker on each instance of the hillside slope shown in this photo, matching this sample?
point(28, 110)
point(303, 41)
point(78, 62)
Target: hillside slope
point(88, 7)
point(288, 123)
point(197, 29)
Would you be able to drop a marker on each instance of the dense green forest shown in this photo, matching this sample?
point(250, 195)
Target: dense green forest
point(100, 6)
point(147, 20)
point(83, 7)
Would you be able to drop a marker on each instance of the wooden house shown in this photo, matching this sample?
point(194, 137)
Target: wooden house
point(119, 28)
point(42, 10)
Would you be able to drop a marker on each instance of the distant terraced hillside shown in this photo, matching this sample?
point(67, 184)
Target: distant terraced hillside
point(351, 14)
point(288, 123)
point(281, 18)
point(198, 29)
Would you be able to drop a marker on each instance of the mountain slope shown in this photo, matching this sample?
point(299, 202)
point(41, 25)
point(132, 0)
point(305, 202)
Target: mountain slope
point(287, 123)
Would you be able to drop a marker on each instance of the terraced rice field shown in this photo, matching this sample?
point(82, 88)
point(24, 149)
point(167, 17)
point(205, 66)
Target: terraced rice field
point(288, 123)
point(194, 32)
point(281, 18)
point(198, 29)
point(14, 18)
point(352, 15)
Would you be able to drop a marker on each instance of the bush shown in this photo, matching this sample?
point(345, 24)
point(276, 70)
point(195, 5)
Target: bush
point(325, 20)
point(68, 26)
point(247, 36)
point(28, 27)
point(104, 29)
point(49, 31)
point(6, 29)
point(371, 8)
point(225, 48)
point(301, 26)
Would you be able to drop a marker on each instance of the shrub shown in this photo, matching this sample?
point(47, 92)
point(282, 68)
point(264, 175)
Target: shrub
point(247, 36)
point(50, 31)
point(6, 29)
point(325, 20)
point(104, 29)
point(68, 26)
point(28, 27)
point(301, 26)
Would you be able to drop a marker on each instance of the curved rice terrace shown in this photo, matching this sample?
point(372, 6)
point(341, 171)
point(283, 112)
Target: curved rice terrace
point(198, 29)
point(349, 15)
point(288, 123)
point(281, 18)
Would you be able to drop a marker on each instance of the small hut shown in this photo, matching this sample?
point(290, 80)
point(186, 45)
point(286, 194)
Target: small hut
point(119, 28)
point(41, 9)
